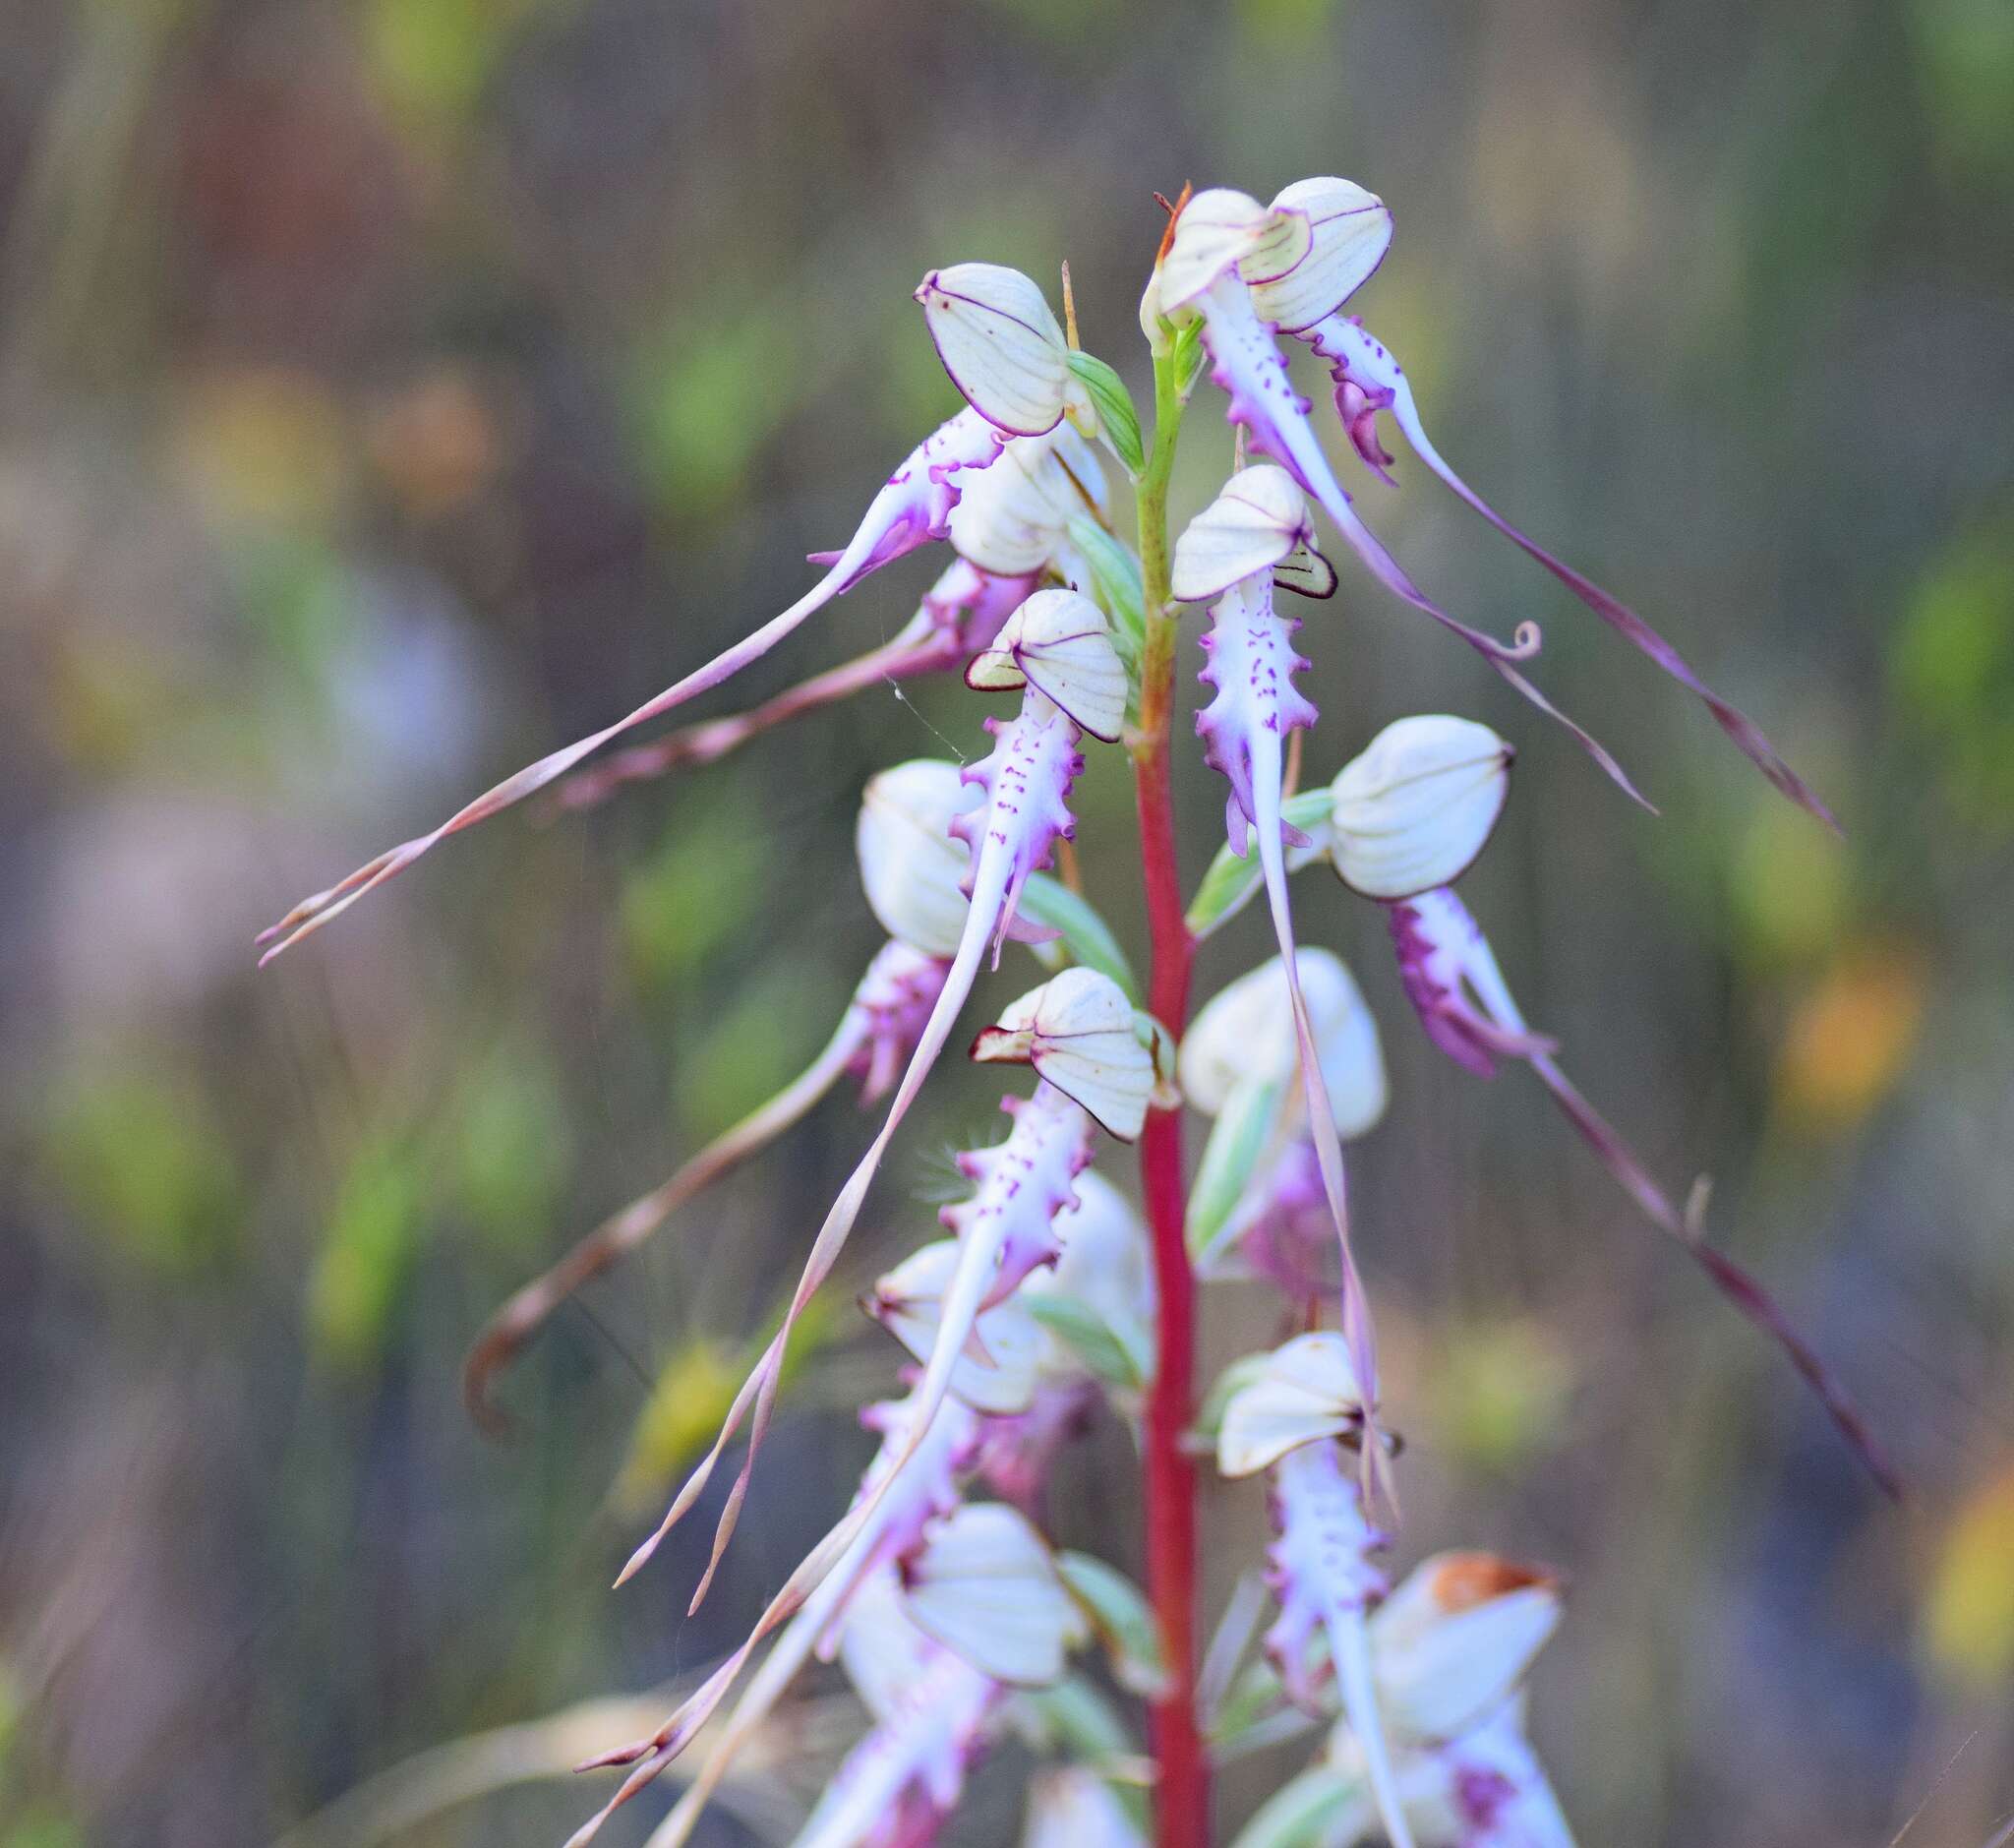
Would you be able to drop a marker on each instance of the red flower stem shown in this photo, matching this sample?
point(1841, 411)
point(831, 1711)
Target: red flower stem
point(1182, 1785)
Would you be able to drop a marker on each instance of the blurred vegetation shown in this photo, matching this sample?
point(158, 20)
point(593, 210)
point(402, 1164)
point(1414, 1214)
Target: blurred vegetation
point(396, 389)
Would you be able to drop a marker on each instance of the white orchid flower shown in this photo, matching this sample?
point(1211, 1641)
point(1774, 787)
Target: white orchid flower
point(1244, 1038)
point(1301, 1392)
point(993, 1368)
point(1060, 642)
point(1258, 521)
point(1455, 1640)
point(1214, 264)
point(984, 1583)
point(1450, 1650)
point(912, 869)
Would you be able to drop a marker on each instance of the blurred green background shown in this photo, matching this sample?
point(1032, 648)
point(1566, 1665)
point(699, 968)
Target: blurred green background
point(390, 392)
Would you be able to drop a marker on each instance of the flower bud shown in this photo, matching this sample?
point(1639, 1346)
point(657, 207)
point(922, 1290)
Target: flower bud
point(986, 1585)
point(997, 1371)
point(1255, 523)
point(1059, 643)
point(1298, 1393)
point(913, 868)
point(1414, 809)
point(1080, 1034)
point(1000, 344)
point(1350, 231)
point(1246, 1036)
point(1456, 1638)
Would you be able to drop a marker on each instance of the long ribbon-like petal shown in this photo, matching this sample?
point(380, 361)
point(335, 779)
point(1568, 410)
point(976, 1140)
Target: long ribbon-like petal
point(960, 615)
point(1324, 1580)
point(1364, 364)
point(1247, 365)
point(1442, 951)
point(897, 989)
point(928, 1487)
point(911, 510)
point(1028, 778)
point(1251, 666)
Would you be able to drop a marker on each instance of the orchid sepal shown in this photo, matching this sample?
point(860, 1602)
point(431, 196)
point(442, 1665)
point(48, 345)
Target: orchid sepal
point(1079, 1031)
point(986, 1584)
point(1350, 232)
point(1305, 1392)
point(999, 341)
point(1256, 522)
point(1058, 640)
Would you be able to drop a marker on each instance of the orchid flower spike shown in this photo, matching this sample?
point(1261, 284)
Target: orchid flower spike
point(1230, 553)
point(1058, 650)
point(960, 613)
point(1226, 256)
point(1003, 350)
point(913, 509)
point(1286, 1417)
point(1463, 1002)
point(1369, 379)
